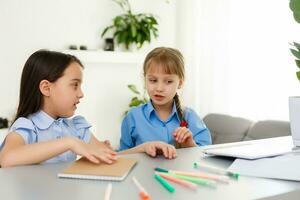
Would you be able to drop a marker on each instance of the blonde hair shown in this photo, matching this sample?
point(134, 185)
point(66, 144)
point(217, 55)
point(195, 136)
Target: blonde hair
point(172, 62)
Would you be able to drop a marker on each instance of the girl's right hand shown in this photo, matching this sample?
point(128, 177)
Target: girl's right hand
point(92, 152)
point(153, 149)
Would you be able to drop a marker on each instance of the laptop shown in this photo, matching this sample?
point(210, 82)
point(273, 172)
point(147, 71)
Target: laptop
point(254, 149)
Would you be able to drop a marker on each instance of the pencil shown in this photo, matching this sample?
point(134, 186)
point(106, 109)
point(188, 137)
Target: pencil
point(108, 191)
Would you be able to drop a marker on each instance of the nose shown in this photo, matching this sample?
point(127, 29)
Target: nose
point(80, 94)
point(160, 87)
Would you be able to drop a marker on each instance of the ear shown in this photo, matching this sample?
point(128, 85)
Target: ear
point(45, 87)
point(180, 84)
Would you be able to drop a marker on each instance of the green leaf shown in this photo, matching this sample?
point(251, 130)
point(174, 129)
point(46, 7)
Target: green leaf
point(134, 98)
point(105, 30)
point(133, 30)
point(297, 16)
point(297, 63)
point(297, 45)
point(295, 5)
point(135, 103)
point(295, 53)
point(133, 89)
point(298, 75)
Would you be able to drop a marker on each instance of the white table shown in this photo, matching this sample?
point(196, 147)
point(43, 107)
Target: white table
point(40, 182)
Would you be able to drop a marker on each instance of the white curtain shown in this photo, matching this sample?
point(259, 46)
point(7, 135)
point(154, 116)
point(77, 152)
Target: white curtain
point(237, 56)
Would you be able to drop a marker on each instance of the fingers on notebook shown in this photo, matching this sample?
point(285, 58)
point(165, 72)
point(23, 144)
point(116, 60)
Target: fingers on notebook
point(106, 156)
point(92, 159)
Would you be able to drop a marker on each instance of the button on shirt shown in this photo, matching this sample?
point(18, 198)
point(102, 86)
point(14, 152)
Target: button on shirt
point(40, 127)
point(142, 124)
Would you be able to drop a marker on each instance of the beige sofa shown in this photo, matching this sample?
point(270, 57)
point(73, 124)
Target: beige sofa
point(225, 128)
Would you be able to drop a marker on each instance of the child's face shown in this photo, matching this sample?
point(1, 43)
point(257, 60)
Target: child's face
point(66, 92)
point(160, 86)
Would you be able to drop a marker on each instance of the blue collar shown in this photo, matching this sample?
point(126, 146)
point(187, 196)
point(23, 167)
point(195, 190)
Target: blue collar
point(42, 120)
point(150, 109)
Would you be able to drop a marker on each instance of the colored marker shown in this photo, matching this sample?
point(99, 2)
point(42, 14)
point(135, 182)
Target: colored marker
point(108, 192)
point(219, 178)
point(143, 194)
point(177, 180)
point(164, 183)
point(198, 181)
point(217, 170)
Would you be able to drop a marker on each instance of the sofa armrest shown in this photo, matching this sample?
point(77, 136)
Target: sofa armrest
point(225, 128)
point(268, 129)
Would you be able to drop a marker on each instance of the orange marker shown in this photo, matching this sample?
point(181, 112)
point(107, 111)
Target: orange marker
point(143, 194)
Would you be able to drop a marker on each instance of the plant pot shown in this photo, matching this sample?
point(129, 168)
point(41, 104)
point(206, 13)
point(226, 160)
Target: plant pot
point(294, 110)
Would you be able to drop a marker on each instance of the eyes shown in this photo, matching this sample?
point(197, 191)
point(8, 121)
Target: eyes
point(75, 85)
point(153, 80)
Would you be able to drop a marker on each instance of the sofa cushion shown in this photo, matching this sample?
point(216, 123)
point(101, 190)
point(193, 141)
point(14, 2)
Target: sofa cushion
point(268, 129)
point(225, 128)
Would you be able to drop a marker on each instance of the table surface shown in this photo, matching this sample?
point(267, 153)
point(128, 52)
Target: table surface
point(37, 182)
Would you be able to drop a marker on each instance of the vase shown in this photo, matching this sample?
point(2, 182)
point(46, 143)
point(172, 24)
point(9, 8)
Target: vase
point(294, 111)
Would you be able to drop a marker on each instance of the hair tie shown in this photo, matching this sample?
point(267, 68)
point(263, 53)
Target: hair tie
point(183, 124)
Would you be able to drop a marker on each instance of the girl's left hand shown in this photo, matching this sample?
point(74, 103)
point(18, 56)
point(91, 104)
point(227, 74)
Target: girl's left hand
point(106, 144)
point(184, 137)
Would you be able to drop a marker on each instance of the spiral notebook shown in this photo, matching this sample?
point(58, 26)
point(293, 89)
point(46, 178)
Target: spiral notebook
point(84, 169)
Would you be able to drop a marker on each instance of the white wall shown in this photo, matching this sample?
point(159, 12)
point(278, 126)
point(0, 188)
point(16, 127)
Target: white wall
point(27, 26)
point(239, 52)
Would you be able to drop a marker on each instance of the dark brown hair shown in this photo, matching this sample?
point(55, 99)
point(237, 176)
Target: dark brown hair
point(41, 65)
point(172, 62)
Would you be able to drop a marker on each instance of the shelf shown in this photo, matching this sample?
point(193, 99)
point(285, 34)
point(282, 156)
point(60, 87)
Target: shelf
point(107, 57)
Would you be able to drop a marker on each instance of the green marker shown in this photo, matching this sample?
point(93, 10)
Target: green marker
point(217, 170)
point(161, 169)
point(164, 183)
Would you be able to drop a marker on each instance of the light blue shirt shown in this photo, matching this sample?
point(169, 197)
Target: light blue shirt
point(142, 124)
point(40, 127)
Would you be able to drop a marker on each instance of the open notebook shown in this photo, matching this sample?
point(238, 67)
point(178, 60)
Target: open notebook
point(254, 149)
point(84, 169)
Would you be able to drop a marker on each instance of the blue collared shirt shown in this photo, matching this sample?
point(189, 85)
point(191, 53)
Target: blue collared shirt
point(40, 127)
point(142, 124)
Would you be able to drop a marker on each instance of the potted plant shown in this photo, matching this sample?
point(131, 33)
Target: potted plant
point(294, 102)
point(295, 7)
point(130, 28)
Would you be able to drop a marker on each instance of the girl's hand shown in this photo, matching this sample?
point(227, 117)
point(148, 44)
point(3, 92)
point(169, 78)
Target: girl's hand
point(106, 144)
point(156, 148)
point(92, 152)
point(184, 137)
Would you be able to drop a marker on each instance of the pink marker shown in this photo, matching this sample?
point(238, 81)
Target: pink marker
point(202, 175)
point(177, 180)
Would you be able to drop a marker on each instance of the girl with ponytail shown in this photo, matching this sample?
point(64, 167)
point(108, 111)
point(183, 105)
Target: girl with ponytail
point(162, 124)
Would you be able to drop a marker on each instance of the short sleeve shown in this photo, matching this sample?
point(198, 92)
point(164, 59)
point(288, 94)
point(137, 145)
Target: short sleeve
point(82, 128)
point(26, 129)
point(201, 134)
point(126, 140)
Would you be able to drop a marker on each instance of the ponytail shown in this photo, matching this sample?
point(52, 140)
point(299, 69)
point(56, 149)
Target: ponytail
point(183, 122)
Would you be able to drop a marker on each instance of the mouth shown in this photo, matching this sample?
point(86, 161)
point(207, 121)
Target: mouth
point(158, 97)
point(75, 104)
